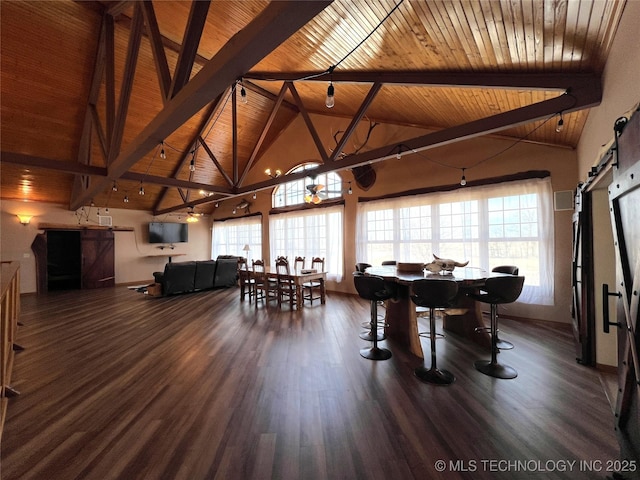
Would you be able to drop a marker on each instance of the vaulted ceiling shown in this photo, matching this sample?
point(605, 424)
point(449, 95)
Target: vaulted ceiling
point(90, 90)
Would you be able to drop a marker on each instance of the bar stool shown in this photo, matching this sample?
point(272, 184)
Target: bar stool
point(510, 270)
point(373, 289)
point(496, 291)
point(434, 294)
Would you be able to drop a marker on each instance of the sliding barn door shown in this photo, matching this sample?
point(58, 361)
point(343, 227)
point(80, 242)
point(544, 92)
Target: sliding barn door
point(624, 199)
point(582, 318)
point(98, 258)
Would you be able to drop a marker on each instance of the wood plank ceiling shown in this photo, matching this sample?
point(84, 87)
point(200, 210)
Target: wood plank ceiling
point(89, 90)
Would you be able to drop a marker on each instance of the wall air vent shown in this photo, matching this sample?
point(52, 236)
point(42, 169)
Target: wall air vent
point(105, 220)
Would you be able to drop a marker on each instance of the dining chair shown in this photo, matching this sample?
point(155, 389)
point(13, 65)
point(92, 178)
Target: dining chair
point(247, 283)
point(308, 288)
point(266, 288)
point(374, 289)
point(497, 291)
point(298, 264)
point(434, 294)
point(286, 283)
point(388, 263)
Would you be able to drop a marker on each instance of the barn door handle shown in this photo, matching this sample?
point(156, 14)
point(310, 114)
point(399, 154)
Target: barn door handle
point(605, 308)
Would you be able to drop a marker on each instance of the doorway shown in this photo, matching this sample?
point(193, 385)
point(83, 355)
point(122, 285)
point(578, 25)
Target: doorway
point(64, 260)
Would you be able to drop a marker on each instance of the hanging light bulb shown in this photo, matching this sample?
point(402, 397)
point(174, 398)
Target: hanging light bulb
point(463, 180)
point(560, 125)
point(162, 154)
point(115, 186)
point(234, 210)
point(141, 191)
point(192, 165)
point(350, 191)
point(330, 101)
point(217, 205)
point(255, 195)
point(243, 95)
point(126, 199)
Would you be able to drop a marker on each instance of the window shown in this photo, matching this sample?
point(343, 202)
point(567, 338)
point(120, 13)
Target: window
point(510, 223)
point(293, 193)
point(230, 237)
point(310, 233)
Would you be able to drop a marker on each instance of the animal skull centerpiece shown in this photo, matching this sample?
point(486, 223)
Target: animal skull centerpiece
point(443, 265)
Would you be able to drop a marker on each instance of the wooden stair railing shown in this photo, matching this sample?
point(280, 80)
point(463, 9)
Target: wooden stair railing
point(9, 313)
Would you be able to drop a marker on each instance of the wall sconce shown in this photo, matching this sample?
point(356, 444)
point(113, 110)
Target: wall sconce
point(24, 219)
point(275, 174)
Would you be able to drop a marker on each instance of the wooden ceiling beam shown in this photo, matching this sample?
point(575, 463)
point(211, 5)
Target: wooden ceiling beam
point(275, 24)
point(263, 135)
point(133, 49)
point(529, 81)
point(308, 122)
point(157, 49)
point(207, 118)
point(583, 97)
point(189, 48)
point(29, 161)
point(356, 119)
point(215, 162)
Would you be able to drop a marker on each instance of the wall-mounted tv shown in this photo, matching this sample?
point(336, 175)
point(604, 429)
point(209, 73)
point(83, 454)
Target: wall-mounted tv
point(161, 232)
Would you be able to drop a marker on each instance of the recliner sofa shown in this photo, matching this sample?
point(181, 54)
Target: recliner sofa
point(193, 276)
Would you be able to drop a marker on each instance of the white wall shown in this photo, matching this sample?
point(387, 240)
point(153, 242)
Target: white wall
point(135, 258)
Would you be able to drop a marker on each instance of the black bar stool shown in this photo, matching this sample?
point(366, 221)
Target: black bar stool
point(434, 294)
point(510, 270)
point(374, 289)
point(496, 291)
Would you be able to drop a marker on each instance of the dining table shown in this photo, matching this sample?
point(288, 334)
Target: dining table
point(300, 276)
point(463, 318)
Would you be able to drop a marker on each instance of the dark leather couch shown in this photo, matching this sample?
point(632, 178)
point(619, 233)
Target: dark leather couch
point(185, 277)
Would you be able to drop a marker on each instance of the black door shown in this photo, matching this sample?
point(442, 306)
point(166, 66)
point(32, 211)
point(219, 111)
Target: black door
point(582, 317)
point(624, 199)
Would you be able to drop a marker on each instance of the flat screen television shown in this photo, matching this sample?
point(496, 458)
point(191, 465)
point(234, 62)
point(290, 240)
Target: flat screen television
point(161, 232)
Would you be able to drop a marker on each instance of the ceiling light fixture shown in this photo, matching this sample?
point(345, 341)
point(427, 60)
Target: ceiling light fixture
point(141, 191)
point(243, 93)
point(114, 187)
point(275, 174)
point(330, 101)
point(255, 195)
point(192, 164)
point(126, 199)
point(350, 191)
point(162, 154)
point(560, 125)
point(463, 180)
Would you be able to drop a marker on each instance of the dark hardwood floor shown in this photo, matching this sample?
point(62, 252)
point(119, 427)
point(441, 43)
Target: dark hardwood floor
point(118, 385)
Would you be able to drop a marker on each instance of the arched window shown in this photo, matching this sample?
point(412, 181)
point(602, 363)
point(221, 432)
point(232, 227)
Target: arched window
point(329, 185)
